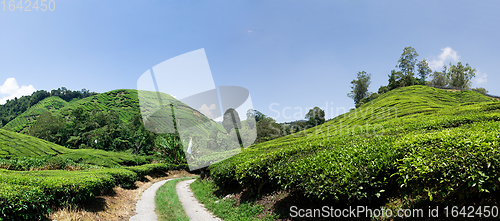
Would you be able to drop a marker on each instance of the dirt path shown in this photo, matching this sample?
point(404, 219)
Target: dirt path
point(194, 209)
point(145, 207)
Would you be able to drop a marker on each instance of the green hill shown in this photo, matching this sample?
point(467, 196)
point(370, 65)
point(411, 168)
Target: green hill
point(25, 119)
point(17, 146)
point(113, 135)
point(417, 142)
point(124, 101)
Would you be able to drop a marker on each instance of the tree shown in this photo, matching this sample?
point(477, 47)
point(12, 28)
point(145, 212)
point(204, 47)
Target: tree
point(267, 129)
point(460, 75)
point(370, 97)
point(407, 61)
point(315, 116)
point(383, 89)
point(423, 70)
point(169, 147)
point(251, 118)
point(440, 78)
point(259, 116)
point(47, 127)
point(360, 86)
point(481, 90)
point(394, 78)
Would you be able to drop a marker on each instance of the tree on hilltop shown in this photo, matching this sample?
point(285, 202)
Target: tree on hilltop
point(423, 70)
point(360, 86)
point(315, 116)
point(407, 61)
point(461, 76)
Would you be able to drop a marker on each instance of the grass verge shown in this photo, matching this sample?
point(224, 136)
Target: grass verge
point(168, 206)
point(223, 207)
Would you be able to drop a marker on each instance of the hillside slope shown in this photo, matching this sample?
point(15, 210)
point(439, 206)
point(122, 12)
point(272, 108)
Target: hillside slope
point(14, 145)
point(414, 142)
point(123, 101)
point(28, 117)
point(19, 145)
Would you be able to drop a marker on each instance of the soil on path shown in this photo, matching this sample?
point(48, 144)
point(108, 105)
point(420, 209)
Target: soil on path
point(120, 205)
point(194, 209)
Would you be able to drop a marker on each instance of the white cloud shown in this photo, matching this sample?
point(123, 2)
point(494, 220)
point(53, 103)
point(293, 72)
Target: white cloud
point(481, 78)
point(10, 89)
point(207, 111)
point(447, 55)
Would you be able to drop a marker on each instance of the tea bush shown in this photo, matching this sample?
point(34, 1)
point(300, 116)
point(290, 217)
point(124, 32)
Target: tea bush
point(437, 144)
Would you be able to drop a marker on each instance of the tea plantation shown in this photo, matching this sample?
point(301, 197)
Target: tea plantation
point(417, 142)
point(124, 102)
point(36, 180)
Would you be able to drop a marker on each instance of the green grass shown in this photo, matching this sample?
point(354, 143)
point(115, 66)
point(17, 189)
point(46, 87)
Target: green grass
point(417, 141)
point(168, 206)
point(226, 209)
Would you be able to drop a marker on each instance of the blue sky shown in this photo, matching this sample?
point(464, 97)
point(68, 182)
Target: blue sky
point(295, 54)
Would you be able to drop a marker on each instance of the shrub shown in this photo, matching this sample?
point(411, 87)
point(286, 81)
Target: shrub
point(18, 202)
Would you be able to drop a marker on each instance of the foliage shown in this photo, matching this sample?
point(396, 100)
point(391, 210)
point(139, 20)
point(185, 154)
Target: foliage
point(156, 168)
point(407, 61)
point(28, 195)
point(12, 108)
point(69, 95)
point(315, 116)
point(44, 163)
point(23, 120)
point(267, 129)
point(423, 69)
point(440, 78)
point(481, 90)
point(20, 146)
point(359, 86)
point(99, 130)
point(383, 89)
point(169, 148)
point(225, 208)
point(47, 127)
point(460, 75)
point(367, 99)
point(420, 138)
point(18, 202)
